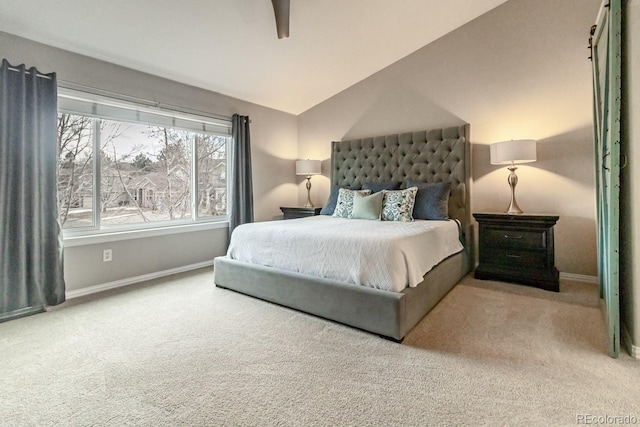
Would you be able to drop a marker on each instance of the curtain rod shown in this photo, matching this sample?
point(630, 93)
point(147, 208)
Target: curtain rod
point(44, 76)
point(122, 97)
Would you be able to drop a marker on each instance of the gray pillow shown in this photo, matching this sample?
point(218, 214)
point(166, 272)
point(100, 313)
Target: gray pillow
point(379, 186)
point(432, 200)
point(367, 207)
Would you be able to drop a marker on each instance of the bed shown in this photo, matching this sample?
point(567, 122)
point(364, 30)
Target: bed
point(428, 156)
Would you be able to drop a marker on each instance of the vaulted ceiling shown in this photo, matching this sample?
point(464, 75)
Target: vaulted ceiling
point(231, 47)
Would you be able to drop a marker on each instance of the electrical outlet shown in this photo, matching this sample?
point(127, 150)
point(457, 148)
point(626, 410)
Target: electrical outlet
point(107, 255)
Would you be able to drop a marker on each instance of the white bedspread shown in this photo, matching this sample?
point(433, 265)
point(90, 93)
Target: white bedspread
point(385, 255)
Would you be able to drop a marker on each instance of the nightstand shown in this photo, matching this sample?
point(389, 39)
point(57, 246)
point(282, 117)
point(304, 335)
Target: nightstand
point(517, 248)
point(299, 212)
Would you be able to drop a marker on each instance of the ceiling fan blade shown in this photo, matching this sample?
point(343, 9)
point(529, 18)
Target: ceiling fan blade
point(281, 10)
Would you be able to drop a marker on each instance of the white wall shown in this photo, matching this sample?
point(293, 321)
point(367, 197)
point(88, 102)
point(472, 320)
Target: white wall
point(519, 71)
point(274, 148)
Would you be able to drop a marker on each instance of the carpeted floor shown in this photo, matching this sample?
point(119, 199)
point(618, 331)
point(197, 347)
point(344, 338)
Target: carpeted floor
point(178, 351)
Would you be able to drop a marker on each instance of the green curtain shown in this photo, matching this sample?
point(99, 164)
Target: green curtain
point(606, 68)
point(241, 182)
point(31, 261)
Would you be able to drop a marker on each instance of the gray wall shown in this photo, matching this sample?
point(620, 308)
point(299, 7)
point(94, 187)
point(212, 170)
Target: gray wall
point(137, 257)
point(630, 197)
point(274, 148)
point(519, 71)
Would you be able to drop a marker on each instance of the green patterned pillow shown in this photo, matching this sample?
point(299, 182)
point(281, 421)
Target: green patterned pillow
point(398, 204)
point(344, 206)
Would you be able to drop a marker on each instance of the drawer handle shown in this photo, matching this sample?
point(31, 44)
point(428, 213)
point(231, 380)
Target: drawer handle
point(512, 236)
point(513, 256)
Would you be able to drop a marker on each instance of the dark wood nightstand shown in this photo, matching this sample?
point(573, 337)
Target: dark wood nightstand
point(518, 248)
point(299, 212)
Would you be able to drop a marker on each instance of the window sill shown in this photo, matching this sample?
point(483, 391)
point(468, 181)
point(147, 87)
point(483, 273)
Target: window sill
point(116, 236)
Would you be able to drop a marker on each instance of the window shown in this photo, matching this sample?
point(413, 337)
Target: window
point(122, 166)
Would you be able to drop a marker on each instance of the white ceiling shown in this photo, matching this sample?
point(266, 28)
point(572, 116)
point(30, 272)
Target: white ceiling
point(231, 47)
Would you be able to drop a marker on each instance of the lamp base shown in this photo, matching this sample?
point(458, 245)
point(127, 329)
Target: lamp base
point(514, 209)
point(309, 204)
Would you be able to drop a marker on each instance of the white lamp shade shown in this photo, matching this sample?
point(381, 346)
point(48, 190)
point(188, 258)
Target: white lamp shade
point(307, 167)
point(518, 151)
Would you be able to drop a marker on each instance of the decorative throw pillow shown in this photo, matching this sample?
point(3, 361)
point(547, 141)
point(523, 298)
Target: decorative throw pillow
point(330, 206)
point(432, 200)
point(344, 206)
point(367, 207)
point(398, 205)
point(379, 186)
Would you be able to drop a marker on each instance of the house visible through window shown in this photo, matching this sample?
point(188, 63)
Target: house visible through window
point(136, 168)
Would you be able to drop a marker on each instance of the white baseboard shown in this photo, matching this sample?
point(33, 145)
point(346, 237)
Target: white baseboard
point(137, 279)
point(579, 278)
point(633, 350)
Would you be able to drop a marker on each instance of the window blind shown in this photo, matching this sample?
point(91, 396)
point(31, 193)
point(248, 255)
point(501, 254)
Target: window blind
point(88, 104)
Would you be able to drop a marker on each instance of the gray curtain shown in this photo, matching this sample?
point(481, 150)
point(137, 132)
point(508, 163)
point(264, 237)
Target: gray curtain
point(241, 181)
point(31, 269)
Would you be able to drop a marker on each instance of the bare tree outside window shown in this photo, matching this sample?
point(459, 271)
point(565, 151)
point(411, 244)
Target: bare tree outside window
point(173, 160)
point(75, 170)
point(145, 173)
point(212, 179)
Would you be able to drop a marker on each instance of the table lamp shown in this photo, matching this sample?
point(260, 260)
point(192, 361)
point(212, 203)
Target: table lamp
point(308, 168)
point(513, 152)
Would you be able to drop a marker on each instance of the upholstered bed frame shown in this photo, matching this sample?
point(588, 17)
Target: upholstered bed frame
point(427, 156)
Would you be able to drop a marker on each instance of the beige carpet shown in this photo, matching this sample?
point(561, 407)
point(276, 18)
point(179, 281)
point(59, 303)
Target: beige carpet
point(179, 351)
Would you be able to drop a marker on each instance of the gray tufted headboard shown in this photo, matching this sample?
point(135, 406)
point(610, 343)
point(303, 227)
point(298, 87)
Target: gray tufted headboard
point(427, 156)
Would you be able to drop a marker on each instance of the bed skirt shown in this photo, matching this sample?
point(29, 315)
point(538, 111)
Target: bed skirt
point(390, 314)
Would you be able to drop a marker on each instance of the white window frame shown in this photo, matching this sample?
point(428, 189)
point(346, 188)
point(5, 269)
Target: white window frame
point(109, 108)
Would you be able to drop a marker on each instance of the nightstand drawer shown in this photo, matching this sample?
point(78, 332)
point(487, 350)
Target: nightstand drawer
point(513, 258)
point(299, 212)
point(513, 238)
